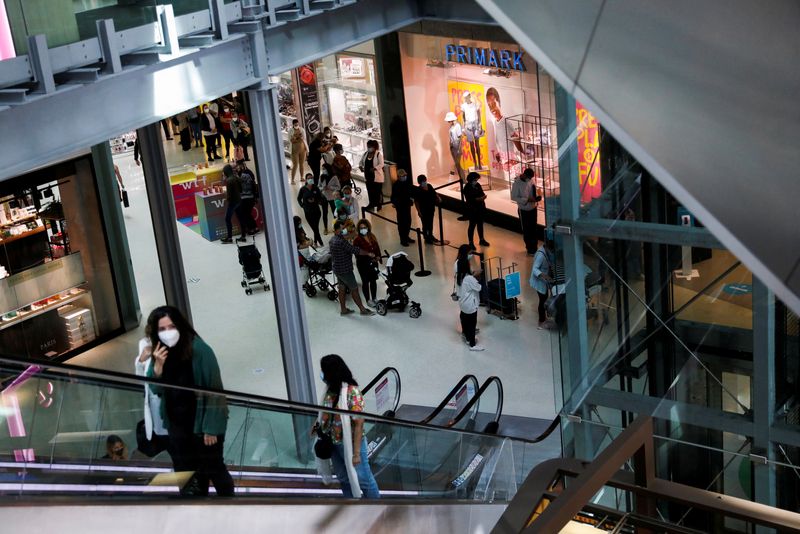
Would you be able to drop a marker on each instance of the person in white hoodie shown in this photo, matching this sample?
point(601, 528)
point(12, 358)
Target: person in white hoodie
point(469, 297)
point(153, 423)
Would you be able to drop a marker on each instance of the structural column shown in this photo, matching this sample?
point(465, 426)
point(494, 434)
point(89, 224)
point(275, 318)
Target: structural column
point(119, 250)
point(284, 268)
point(576, 365)
point(162, 211)
point(763, 402)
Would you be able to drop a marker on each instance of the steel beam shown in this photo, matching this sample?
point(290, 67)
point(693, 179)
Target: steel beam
point(685, 413)
point(162, 211)
point(284, 270)
point(763, 401)
point(33, 135)
point(663, 234)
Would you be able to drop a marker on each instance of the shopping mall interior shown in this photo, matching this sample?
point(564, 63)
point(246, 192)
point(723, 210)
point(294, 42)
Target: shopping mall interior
point(194, 302)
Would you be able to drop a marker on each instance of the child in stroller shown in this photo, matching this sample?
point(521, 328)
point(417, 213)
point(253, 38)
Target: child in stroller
point(398, 280)
point(318, 267)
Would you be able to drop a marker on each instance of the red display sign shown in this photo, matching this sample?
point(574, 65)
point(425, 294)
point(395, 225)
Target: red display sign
point(588, 154)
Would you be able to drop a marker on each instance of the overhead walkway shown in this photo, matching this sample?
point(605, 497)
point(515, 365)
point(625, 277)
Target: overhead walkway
point(703, 94)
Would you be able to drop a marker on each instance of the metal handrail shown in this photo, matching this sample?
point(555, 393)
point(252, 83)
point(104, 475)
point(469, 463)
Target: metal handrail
point(128, 381)
point(374, 381)
point(450, 395)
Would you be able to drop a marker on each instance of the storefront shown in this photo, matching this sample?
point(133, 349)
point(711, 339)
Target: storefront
point(338, 91)
point(504, 112)
point(57, 293)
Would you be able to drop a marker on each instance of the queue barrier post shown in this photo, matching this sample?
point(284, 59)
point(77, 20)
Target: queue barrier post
point(442, 241)
point(422, 271)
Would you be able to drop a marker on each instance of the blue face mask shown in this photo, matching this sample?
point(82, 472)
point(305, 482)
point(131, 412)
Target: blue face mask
point(322, 376)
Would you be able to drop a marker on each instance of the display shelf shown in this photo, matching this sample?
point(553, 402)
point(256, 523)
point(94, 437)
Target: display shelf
point(11, 239)
point(16, 222)
point(355, 134)
point(33, 313)
point(357, 87)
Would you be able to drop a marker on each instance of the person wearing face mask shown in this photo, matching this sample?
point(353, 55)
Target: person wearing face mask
point(195, 423)
point(523, 192)
point(240, 135)
point(342, 265)
point(225, 119)
point(319, 145)
point(341, 216)
point(368, 266)
point(342, 167)
point(208, 126)
point(299, 149)
point(372, 167)
point(426, 199)
point(476, 208)
point(329, 185)
point(402, 202)
point(469, 291)
point(350, 203)
point(349, 457)
point(310, 199)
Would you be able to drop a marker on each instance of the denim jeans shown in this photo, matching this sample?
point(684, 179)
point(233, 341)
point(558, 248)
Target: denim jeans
point(365, 478)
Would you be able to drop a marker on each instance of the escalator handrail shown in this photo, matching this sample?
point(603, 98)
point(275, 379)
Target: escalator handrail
point(108, 378)
point(374, 381)
point(476, 399)
point(450, 395)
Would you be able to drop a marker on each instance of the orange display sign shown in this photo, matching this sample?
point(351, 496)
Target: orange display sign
point(471, 113)
point(588, 154)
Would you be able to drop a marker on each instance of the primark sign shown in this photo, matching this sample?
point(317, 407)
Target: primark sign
point(485, 57)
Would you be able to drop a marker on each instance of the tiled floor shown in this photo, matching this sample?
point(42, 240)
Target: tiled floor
point(427, 351)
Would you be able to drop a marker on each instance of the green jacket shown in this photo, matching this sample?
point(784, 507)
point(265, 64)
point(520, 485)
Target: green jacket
point(211, 415)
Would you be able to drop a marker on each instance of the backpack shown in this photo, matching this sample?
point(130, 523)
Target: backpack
point(249, 188)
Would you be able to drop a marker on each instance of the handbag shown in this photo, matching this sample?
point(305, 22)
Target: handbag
point(454, 294)
point(148, 447)
point(323, 448)
point(124, 199)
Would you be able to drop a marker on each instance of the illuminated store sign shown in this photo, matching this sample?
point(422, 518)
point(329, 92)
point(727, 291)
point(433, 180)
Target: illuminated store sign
point(487, 57)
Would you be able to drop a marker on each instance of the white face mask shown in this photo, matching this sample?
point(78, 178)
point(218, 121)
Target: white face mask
point(310, 181)
point(469, 256)
point(169, 337)
point(363, 231)
point(344, 231)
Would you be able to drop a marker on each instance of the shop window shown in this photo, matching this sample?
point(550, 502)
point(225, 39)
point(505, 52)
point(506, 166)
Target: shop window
point(502, 111)
point(57, 294)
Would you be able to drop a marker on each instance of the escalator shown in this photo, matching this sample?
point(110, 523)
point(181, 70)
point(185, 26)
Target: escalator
point(56, 420)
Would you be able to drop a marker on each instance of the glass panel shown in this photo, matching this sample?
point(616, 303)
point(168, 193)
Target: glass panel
point(65, 432)
point(69, 21)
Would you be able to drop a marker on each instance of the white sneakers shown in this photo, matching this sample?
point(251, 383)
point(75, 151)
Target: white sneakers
point(477, 348)
point(371, 303)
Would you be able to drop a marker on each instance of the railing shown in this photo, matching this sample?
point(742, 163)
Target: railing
point(59, 417)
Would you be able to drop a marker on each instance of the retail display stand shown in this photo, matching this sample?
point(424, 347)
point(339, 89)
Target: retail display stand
point(532, 142)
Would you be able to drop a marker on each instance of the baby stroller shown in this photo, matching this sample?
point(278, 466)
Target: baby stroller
point(318, 265)
point(252, 272)
point(398, 279)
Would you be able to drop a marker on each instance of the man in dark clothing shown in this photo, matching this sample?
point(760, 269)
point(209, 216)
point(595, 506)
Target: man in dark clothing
point(342, 265)
point(233, 198)
point(310, 199)
point(426, 199)
point(318, 146)
point(402, 202)
point(476, 207)
point(249, 193)
point(523, 192)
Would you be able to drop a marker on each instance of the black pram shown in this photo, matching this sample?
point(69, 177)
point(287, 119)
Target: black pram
point(398, 280)
point(252, 271)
